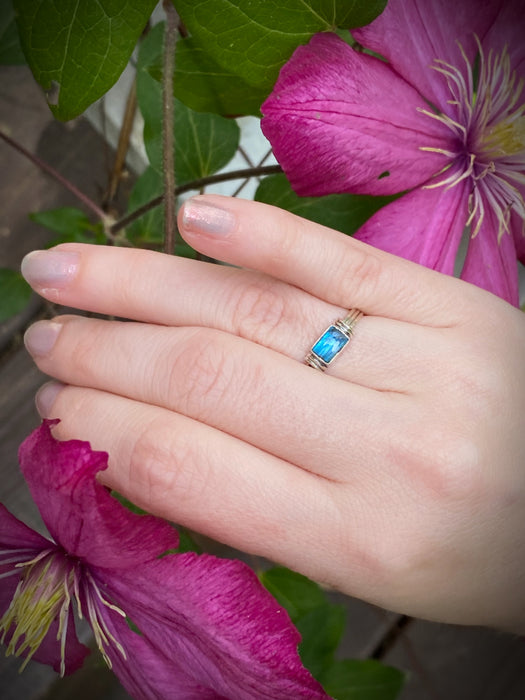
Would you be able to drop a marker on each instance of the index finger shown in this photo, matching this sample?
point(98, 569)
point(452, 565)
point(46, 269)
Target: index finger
point(328, 264)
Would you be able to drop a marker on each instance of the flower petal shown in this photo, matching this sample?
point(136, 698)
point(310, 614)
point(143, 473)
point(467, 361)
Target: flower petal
point(412, 34)
point(80, 513)
point(492, 265)
point(220, 625)
point(517, 226)
point(508, 30)
point(425, 226)
point(341, 121)
point(14, 534)
point(148, 672)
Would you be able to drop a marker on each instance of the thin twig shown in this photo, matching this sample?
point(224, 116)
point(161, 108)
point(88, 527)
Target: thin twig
point(87, 201)
point(195, 185)
point(170, 215)
point(123, 144)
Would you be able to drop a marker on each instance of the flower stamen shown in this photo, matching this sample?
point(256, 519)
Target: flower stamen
point(489, 125)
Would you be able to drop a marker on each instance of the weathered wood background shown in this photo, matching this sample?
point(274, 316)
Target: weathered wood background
point(443, 662)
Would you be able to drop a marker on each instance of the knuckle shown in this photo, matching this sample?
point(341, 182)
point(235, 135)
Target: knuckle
point(258, 311)
point(364, 275)
point(201, 373)
point(163, 466)
point(441, 462)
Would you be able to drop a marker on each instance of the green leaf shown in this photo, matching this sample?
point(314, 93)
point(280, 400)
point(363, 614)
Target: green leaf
point(205, 86)
point(77, 50)
point(10, 50)
point(204, 143)
point(72, 225)
point(149, 227)
point(342, 212)
point(362, 680)
point(295, 592)
point(321, 630)
point(15, 293)
point(254, 38)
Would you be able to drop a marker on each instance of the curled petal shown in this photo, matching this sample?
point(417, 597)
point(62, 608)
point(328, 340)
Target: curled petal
point(412, 34)
point(220, 625)
point(342, 121)
point(80, 513)
point(424, 226)
point(490, 264)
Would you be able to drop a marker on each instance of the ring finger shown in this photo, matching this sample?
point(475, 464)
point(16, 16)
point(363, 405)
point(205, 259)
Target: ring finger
point(223, 381)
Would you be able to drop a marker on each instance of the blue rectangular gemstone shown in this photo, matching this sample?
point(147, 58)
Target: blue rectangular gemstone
point(329, 344)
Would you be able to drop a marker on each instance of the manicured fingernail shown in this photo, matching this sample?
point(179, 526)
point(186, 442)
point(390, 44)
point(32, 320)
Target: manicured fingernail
point(45, 397)
point(40, 338)
point(50, 268)
point(199, 216)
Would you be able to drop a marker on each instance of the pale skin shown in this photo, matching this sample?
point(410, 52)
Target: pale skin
point(398, 476)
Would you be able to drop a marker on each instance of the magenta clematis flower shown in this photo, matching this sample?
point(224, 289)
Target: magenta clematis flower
point(208, 629)
point(442, 119)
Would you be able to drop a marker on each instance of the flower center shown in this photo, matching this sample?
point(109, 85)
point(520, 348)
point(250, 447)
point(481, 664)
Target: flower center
point(490, 136)
point(42, 596)
point(48, 584)
point(506, 138)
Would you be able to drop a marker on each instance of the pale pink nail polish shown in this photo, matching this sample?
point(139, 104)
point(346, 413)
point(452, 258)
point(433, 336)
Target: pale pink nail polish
point(40, 338)
point(50, 268)
point(45, 397)
point(199, 216)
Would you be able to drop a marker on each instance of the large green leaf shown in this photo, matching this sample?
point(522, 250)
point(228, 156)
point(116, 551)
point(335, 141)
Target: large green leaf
point(321, 630)
point(204, 143)
point(343, 212)
point(14, 293)
point(78, 48)
point(293, 591)
point(367, 679)
point(204, 85)
point(254, 38)
point(10, 50)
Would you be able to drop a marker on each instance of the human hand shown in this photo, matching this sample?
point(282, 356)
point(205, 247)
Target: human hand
point(398, 476)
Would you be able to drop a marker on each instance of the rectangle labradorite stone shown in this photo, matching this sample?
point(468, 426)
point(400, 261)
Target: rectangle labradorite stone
point(329, 344)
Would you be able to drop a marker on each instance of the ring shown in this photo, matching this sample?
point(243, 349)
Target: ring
point(332, 341)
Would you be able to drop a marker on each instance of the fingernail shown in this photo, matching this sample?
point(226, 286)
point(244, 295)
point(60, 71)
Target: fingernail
point(50, 268)
point(200, 216)
point(40, 338)
point(45, 397)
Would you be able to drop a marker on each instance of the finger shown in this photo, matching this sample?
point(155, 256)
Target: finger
point(327, 264)
point(199, 477)
point(231, 384)
point(384, 354)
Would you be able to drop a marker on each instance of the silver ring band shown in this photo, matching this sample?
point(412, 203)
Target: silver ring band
point(328, 346)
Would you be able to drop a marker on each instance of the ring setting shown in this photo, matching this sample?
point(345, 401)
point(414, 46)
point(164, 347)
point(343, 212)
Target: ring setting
point(328, 346)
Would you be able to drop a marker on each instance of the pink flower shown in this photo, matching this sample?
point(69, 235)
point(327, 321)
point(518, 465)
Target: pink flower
point(443, 121)
point(207, 627)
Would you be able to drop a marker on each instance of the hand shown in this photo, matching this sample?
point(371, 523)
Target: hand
point(398, 476)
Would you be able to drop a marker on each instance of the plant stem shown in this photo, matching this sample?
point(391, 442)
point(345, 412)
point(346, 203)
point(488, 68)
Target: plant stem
point(195, 185)
point(170, 215)
point(123, 144)
point(87, 201)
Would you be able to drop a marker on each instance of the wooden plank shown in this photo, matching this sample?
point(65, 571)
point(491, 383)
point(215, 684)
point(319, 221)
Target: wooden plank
point(449, 662)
